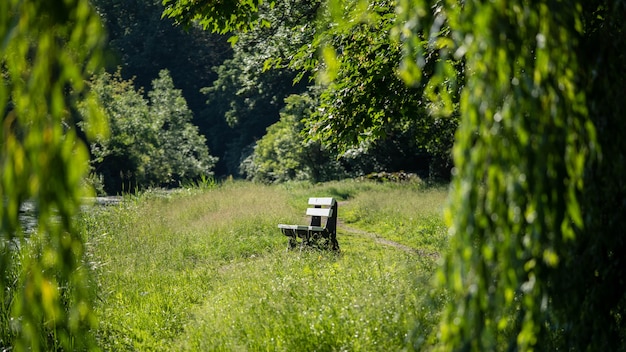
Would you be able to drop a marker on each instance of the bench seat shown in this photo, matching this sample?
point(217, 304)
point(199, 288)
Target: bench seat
point(314, 234)
point(301, 227)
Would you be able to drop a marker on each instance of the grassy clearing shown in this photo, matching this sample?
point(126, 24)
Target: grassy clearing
point(208, 270)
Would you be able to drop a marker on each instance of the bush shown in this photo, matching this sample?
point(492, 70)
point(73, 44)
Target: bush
point(283, 154)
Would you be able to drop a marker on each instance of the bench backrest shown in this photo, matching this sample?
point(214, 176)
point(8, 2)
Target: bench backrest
point(317, 212)
point(329, 201)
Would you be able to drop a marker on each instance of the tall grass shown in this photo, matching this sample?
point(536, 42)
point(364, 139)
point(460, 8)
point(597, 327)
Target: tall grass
point(410, 216)
point(209, 270)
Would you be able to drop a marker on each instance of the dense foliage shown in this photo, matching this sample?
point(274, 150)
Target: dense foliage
point(367, 103)
point(152, 142)
point(531, 256)
point(284, 155)
point(287, 151)
point(143, 43)
point(245, 85)
point(48, 48)
point(280, 57)
point(248, 93)
point(595, 302)
point(218, 16)
point(534, 251)
point(520, 154)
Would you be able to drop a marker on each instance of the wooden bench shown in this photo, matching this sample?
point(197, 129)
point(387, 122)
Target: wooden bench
point(315, 235)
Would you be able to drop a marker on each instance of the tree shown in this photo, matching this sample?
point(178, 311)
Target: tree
point(143, 42)
point(184, 150)
point(283, 154)
point(153, 142)
point(249, 92)
point(367, 103)
point(48, 48)
point(120, 159)
point(245, 100)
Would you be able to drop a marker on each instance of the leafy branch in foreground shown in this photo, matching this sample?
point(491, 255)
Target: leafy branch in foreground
point(529, 252)
point(48, 48)
point(217, 16)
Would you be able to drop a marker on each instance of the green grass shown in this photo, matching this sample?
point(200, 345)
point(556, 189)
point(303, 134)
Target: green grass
point(412, 217)
point(208, 269)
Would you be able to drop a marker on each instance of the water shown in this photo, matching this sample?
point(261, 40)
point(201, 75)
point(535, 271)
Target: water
point(28, 216)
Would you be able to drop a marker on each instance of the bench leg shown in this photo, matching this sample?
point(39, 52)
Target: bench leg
point(293, 243)
point(334, 245)
point(322, 240)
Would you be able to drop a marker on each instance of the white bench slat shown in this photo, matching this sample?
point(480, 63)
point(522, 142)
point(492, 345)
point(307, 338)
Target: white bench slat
point(322, 201)
point(326, 212)
point(300, 227)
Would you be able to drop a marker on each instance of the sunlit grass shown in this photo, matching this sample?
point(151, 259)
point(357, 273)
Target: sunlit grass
point(411, 217)
point(208, 270)
point(309, 302)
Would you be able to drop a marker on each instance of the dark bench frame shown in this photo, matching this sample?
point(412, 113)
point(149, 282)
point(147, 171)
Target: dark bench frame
point(315, 235)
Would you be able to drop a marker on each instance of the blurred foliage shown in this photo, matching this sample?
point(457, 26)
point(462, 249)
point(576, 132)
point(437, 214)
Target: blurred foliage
point(532, 255)
point(593, 266)
point(153, 142)
point(48, 47)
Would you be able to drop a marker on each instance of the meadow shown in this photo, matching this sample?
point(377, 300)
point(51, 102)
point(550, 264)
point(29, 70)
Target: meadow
point(206, 269)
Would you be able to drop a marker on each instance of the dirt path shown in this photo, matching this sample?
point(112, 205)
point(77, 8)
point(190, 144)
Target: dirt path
point(379, 239)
